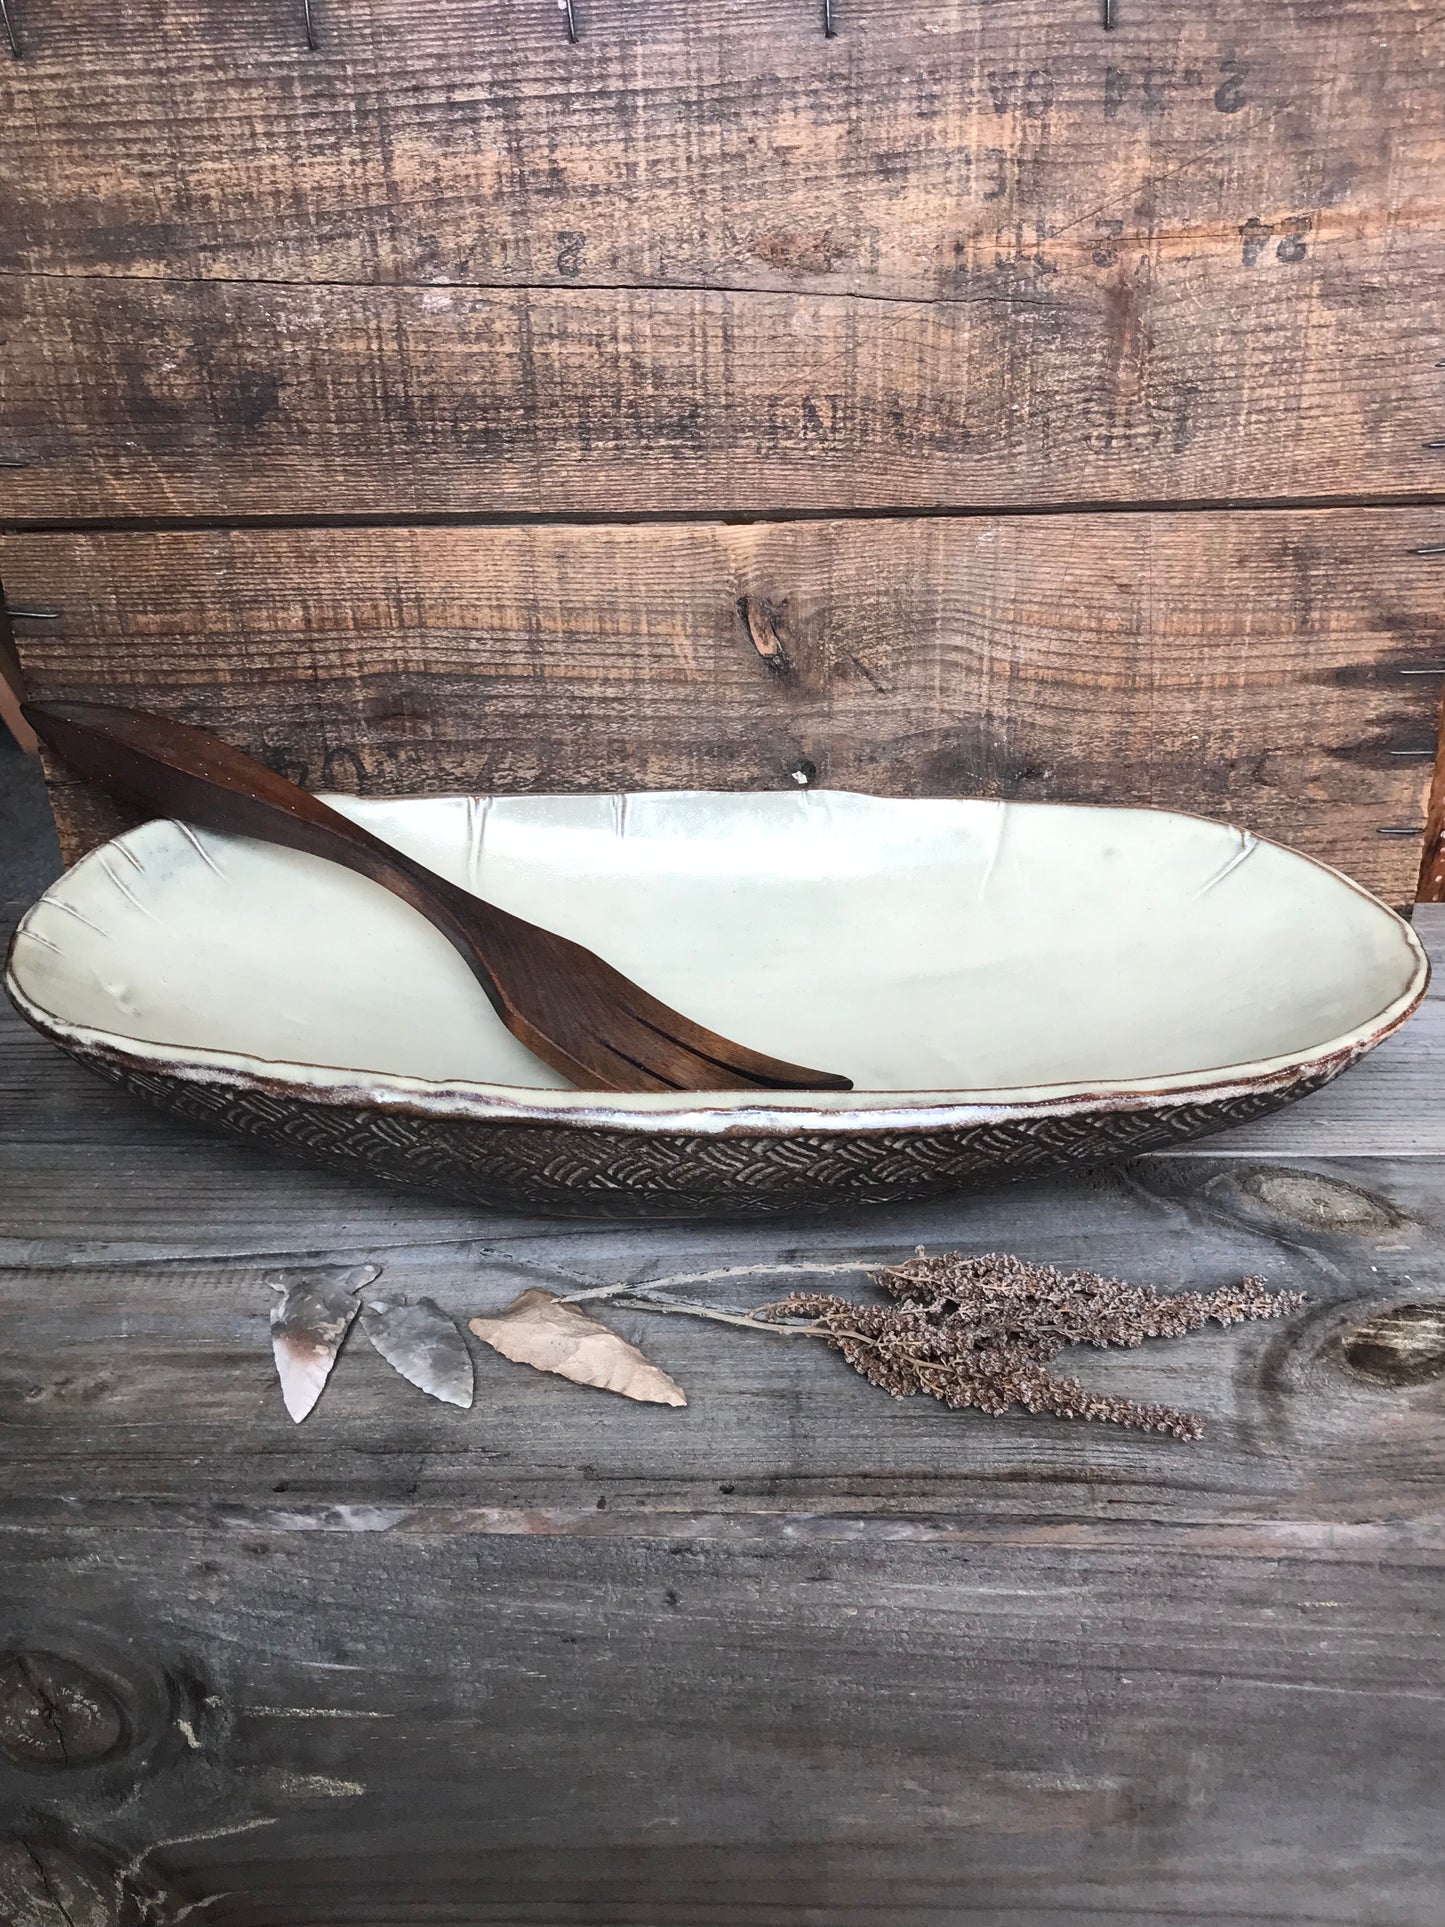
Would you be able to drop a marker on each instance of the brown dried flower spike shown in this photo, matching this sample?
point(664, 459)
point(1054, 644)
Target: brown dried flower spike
point(983, 1332)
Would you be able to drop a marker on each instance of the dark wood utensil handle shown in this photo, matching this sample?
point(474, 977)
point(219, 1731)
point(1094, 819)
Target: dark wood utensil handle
point(193, 775)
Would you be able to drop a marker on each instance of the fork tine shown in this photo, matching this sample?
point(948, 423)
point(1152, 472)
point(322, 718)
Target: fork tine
point(624, 1055)
point(626, 1051)
point(707, 1048)
point(611, 1032)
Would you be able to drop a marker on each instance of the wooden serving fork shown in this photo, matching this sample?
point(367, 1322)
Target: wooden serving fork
point(566, 1005)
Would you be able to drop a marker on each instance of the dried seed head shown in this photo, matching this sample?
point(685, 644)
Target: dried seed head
point(983, 1332)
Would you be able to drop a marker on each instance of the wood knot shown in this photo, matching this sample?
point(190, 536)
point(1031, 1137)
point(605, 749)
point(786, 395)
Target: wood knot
point(54, 1713)
point(763, 621)
point(1405, 1346)
point(1323, 1203)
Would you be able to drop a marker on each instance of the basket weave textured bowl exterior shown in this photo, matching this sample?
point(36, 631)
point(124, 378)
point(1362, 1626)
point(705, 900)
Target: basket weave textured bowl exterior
point(588, 1171)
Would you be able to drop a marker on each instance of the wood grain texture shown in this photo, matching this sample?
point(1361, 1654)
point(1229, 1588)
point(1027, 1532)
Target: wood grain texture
point(795, 1652)
point(1194, 258)
point(959, 255)
point(934, 150)
point(466, 1726)
point(215, 400)
point(1247, 666)
point(158, 1374)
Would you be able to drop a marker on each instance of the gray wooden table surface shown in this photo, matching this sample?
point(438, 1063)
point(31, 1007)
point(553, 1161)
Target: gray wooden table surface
point(795, 1654)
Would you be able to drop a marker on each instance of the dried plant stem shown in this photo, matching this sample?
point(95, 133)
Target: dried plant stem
point(778, 1328)
point(984, 1331)
point(688, 1309)
point(628, 1288)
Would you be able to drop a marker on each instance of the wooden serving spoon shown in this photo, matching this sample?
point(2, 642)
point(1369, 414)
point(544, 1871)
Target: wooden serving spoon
point(566, 1005)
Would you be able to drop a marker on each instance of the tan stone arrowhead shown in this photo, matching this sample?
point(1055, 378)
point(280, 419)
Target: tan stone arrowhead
point(542, 1330)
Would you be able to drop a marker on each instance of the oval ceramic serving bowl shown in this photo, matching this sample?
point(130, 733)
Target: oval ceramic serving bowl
point(1012, 988)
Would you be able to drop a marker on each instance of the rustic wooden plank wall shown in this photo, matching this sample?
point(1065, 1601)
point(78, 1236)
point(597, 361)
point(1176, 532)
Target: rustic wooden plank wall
point(434, 141)
point(377, 400)
point(1264, 667)
point(957, 254)
point(955, 259)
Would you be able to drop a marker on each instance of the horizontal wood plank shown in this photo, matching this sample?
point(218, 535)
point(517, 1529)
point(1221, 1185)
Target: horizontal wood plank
point(1257, 667)
point(958, 255)
point(1185, 382)
point(153, 1381)
point(421, 1724)
point(931, 150)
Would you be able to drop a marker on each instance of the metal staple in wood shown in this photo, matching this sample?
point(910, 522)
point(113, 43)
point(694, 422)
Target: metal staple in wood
point(569, 11)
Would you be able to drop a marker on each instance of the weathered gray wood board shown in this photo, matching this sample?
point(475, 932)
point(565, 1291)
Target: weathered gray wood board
point(152, 1381)
point(1269, 668)
point(795, 1653)
point(1026, 1725)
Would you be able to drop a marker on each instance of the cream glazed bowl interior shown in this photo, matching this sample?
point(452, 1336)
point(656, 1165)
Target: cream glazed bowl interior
point(1011, 987)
